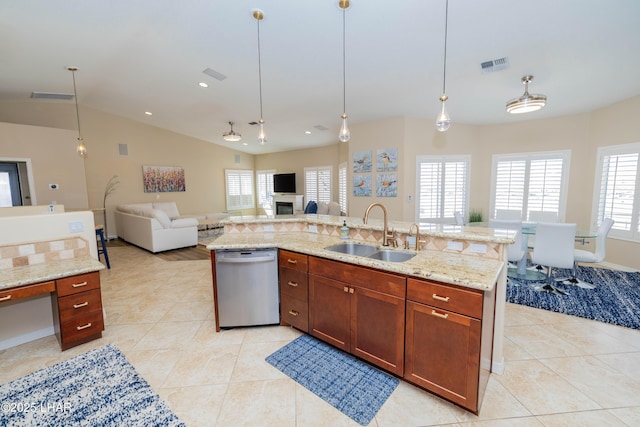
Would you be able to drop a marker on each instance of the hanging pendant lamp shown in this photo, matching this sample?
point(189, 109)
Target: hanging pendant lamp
point(231, 136)
point(258, 15)
point(344, 134)
point(527, 102)
point(443, 121)
point(81, 148)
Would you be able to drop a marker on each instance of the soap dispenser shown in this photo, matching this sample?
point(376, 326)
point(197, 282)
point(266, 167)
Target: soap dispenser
point(344, 231)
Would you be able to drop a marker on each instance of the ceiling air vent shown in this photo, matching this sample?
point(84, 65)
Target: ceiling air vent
point(50, 95)
point(495, 65)
point(213, 73)
point(321, 127)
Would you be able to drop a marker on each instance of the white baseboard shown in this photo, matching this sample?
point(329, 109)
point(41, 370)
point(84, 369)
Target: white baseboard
point(21, 339)
point(497, 367)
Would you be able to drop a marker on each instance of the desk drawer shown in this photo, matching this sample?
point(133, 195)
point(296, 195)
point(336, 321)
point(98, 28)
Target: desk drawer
point(466, 302)
point(81, 326)
point(79, 283)
point(80, 303)
point(26, 291)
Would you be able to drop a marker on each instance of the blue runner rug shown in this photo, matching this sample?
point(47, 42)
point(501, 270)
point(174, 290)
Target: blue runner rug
point(615, 300)
point(348, 384)
point(97, 388)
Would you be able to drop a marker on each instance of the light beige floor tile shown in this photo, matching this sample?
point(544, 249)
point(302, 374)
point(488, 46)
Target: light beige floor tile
point(312, 411)
point(541, 341)
point(541, 390)
point(197, 406)
point(627, 364)
point(510, 422)
point(591, 339)
point(169, 335)
point(186, 311)
point(630, 416)
point(126, 336)
point(513, 351)
point(203, 365)
point(251, 364)
point(270, 403)
point(582, 419)
point(271, 333)
point(498, 403)
point(153, 365)
point(597, 380)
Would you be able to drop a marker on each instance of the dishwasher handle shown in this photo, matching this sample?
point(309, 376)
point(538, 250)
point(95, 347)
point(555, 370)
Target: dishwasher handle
point(241, 260)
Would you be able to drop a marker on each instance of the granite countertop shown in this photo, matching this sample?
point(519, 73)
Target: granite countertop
point(463, 270)
point(20, 276)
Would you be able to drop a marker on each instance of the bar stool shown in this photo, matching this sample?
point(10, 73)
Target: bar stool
point(102, 248)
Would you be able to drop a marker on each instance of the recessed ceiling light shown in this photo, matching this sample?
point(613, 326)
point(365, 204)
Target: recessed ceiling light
point(203, 84)
point(308, 132)
point(245, 143)
point(148, 113)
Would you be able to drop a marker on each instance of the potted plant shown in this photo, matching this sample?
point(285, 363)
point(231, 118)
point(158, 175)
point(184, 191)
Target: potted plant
point(475, 215)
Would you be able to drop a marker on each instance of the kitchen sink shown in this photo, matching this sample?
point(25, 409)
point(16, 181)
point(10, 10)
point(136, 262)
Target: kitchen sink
point(351, 248)
point(391, 255)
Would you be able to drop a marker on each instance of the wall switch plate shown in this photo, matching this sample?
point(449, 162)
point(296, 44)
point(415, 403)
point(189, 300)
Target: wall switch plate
point(269, 227)
point(313, 228)
point(76, 227)
point(454, 246)
point(478, 248)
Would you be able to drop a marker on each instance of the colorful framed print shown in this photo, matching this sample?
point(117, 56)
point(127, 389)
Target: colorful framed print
point(362, 185)
point(387, 185)
point(387, 160)
point(161, 179)
point(362, 161)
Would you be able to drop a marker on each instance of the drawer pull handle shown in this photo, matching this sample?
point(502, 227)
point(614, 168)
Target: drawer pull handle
point(292, 261)
point(350, 290)
point(84, 304)
point(7, 298)
point(442, 315)
point(293, 313)
point(346, 289)
point(292, 284)
point(439, 298)
point(79, 285)
point(88, 325)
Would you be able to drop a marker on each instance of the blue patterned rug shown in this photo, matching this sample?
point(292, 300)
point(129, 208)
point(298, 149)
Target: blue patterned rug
point(615, 300)
point(348, 384)
point(97, 388)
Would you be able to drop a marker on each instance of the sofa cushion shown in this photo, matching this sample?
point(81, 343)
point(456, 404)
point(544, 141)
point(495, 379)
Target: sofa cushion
point(334, 208)
point(142, 209)
point(162, 217)
point(169, 207)
point(184, 222)
point(323, 208)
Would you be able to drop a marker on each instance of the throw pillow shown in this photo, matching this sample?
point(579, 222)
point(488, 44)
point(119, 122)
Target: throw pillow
point(169, 207)
point(162, 217)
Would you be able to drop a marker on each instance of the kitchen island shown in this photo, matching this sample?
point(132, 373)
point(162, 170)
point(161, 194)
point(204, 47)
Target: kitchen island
point(435, 319)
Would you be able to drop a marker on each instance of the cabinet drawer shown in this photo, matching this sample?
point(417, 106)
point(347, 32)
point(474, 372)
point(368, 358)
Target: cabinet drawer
point(79, 283)
point(467, 302)
point(294, 312)
point(293, 260)
point(27, 291)
point(80, 303)
point(81, 326)
point(294, 283)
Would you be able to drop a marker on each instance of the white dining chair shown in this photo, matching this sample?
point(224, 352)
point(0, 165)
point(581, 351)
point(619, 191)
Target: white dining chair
point(459, 219)
point(508, 214)
point(542, 216)
point(554, 249)
point(598, 255)
point(515, 251)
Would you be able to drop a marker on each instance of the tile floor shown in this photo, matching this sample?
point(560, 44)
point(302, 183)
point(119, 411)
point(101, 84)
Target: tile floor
point(559, 370)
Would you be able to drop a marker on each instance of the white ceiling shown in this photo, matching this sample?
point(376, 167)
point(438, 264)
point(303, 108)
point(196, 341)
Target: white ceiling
point(148, 55)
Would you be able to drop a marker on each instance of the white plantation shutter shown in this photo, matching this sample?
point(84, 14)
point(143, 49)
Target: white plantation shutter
point(342, 187)
point(239, 187)
point(530, 182)
point(317, 184)
point(264, 185)
point(442, 187)
point(617, 189)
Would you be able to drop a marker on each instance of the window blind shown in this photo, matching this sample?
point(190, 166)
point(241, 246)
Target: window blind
point(442, 187)
point(317, 184)
point(239, 188)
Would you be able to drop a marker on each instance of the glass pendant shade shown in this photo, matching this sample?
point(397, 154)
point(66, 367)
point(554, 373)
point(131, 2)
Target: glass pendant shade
point(262, 137)
point(443, 121)
point(345, 133)
point(81, 149)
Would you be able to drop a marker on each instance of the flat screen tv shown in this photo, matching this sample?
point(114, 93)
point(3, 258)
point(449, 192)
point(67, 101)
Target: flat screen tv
point(284, 183)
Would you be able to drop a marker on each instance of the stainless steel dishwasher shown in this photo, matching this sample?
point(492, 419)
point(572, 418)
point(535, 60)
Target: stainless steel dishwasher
point(247, 282)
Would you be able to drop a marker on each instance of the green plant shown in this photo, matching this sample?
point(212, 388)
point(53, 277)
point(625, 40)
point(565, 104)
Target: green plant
point(475, 215)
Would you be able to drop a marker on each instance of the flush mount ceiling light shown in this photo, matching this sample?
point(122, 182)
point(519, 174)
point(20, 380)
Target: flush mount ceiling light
point(527, 102)
point(344, 134)
point(258, 15)
point(443, 121)
point(81, 148)
point(231, 136)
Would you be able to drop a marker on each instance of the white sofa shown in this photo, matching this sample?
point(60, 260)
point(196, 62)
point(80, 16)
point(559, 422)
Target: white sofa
point(155, 227)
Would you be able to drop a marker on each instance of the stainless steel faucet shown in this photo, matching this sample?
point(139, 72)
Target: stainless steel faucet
point(385, 233)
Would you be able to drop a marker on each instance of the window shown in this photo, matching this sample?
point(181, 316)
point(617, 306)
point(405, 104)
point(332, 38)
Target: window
point(616, 189)
point(530, 182)
point(264, 187)
point(442, 187)
point(239, 189)
point(342, 186)
point(317, 184)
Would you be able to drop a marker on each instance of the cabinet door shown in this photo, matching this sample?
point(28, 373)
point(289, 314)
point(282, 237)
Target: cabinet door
point(329, 311)
point(377, 329)
point(443, 353)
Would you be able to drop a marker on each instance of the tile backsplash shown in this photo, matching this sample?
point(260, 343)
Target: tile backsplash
point(25, 254)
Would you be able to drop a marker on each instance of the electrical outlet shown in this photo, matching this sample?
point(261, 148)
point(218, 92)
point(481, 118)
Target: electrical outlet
point(313, 229)
point(478, 248)
point(76, 227)
point(454, 246)
point(269, 227)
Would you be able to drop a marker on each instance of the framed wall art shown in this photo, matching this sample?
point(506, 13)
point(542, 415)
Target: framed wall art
point(362, 185)
point(161, 179)
point(387, 185)
point(362, 161)
point(387, 160)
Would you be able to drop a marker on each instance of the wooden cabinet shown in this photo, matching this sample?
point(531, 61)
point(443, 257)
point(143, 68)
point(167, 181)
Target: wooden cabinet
point(294, 289)
point(77, 308)
point(359, 310)
point(449, 340)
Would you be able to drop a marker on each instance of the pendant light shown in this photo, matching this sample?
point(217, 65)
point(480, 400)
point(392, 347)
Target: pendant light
point(258, 15)
point(344, 135)
point(527, 102)
point(81, 148)
point(443, 121)
point(231, 136)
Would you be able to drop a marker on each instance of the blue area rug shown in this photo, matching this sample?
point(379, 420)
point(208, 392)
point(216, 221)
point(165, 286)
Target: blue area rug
point(348, 384)
point(97, 388)
point(615, 300)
